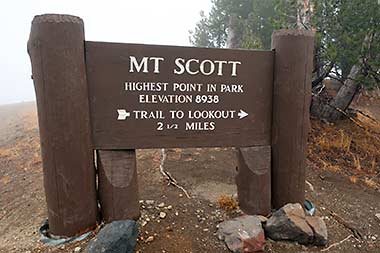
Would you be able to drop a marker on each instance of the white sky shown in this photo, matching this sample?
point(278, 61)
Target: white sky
point(164, 22)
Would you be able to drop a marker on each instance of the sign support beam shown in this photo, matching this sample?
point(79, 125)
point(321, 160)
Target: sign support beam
point(291, 120)
point(118, 187)
point(56, 49)
point(254, 180)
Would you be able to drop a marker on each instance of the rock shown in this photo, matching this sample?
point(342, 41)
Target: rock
point(117, 236)
point(378, 216)
point(149, 239)
point(149, 202)
point(319, 229)
point(162, 204)
point(162, 215)
point(289, 223)
point(243, 234)
point(77, 249)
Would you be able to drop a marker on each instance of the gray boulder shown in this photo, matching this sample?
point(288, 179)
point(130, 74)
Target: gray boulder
point(115, 237)
point(289, 223)
point(243, 234)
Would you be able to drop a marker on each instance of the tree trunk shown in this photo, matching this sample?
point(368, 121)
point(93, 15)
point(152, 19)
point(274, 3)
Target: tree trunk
point(233, 36)
point(343, 99)
point(304, 13)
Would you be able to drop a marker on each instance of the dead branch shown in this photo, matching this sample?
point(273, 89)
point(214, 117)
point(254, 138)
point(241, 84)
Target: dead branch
point(336, 244)
point(310, 185)
point(364, 114)
point(168, 176)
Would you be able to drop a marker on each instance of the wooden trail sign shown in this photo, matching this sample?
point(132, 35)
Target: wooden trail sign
point(114, 98)
point(144, 96)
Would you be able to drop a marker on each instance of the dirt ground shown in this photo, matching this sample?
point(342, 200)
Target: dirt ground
point(190, 224)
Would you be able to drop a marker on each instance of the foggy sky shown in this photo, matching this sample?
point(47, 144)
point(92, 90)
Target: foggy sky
point(165, 22)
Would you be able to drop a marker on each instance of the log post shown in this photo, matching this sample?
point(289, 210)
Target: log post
point(118, 189)
point(56, 49)
point(291, 123)
point(254, 180)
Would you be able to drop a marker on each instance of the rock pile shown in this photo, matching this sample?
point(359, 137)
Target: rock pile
point(247, 233)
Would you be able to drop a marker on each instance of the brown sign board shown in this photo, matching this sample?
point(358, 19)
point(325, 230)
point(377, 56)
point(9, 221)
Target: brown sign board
point(127, 96)
point(148, 96)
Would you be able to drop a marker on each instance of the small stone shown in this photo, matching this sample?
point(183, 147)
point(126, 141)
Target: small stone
point(180, 195)
point(77, 249)
point(176, 213)
point(161, 205)
point(162, 215)
point(169, 207)
point(205, 230)
point(149, 202)
point(149, 239)
point(377, 216)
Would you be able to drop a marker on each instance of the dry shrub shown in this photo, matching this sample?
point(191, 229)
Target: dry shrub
point(371, 182)
point(341, 141)
point(353, 179)
point(347, 148)
point(227, 203)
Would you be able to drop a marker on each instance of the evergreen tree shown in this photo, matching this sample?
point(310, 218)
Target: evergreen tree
point(347, 44)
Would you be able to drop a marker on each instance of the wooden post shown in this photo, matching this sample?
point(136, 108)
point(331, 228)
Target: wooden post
point(254, 180)
point(118, 190)
point(291, 102)
point(56, 49)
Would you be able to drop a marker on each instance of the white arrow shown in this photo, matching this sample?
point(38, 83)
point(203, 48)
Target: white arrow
point(242, 114)
point(123, 114)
